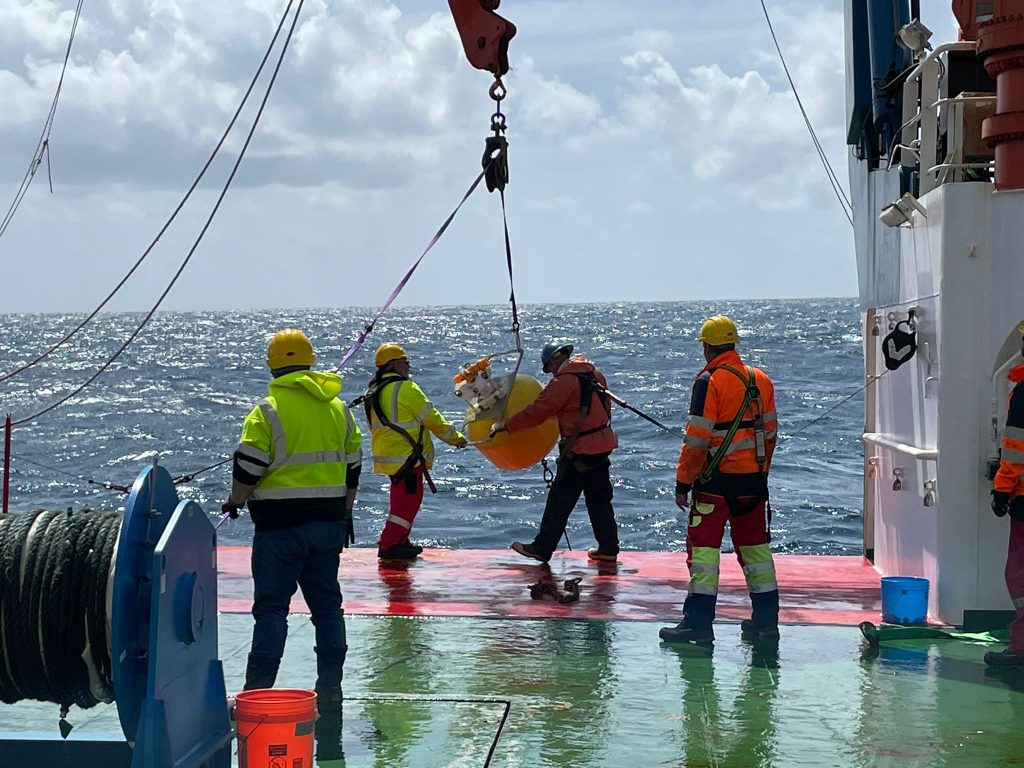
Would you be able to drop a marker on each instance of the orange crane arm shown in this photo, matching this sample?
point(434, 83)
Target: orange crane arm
point(485, 35)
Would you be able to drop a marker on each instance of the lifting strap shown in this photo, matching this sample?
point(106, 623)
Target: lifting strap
point(371, 402)
point(752, 399)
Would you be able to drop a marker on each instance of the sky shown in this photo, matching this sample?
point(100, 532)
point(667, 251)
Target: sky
point(656, 153)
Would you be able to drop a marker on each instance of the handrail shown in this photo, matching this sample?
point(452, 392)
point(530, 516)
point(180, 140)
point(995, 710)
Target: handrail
point(924, 454)
point(962, 45)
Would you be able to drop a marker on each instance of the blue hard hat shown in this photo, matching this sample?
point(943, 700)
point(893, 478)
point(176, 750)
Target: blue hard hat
point(553, 348)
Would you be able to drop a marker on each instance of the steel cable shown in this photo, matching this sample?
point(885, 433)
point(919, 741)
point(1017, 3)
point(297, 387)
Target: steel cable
point(43, 145)
point(174, 214)
point(196, 242)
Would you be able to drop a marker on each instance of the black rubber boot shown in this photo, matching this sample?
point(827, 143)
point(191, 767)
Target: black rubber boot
point(260, 671)
point(684, 634)
point(329, 665)
point(763, 623)
point(1004, 659)
point(750, 631)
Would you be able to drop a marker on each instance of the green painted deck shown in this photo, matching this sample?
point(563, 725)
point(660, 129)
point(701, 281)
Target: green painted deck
point(609, 693)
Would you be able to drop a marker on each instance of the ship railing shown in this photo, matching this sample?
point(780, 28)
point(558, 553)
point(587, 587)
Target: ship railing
point(920, 135)
point(964, 114)
point(913, 451)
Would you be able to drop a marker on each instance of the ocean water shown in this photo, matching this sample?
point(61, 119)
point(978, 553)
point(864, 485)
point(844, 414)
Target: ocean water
point(180, 391)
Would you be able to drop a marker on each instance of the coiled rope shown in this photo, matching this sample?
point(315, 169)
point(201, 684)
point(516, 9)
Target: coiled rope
point(54, 574)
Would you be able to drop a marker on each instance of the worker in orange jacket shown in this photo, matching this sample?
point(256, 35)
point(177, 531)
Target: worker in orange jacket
point(1008, 497)
point(577, 395)
point(724, 461)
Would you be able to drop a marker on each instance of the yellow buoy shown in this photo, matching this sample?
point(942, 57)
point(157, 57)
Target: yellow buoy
point(523, 449)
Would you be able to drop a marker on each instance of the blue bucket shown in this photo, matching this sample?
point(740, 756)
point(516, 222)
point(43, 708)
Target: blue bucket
point(904, 600)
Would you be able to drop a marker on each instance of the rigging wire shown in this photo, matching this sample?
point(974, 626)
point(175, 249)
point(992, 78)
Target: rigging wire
point(361, 339)
point(195, 244)
point(845, 400)
point(174, 213)
point(43, 145)
point(837, 188)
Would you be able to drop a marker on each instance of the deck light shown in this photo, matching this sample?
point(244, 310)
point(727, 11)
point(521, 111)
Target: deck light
point(900, 211)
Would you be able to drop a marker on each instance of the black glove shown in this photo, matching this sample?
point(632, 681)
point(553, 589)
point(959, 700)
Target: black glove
point(1017, 508)
point(1000, 503)
point(230, 509)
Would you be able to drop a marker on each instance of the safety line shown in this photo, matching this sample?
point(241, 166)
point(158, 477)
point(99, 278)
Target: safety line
point(174, 213)
point(43, 145)
point(845, 400)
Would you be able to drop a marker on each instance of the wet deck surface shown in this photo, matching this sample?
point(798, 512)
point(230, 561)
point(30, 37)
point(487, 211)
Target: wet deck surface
point(641, 586)
point(429, 692)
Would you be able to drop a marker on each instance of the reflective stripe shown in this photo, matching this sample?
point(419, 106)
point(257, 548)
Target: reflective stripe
point(758, 568)
point(703, 568)
point(316, 457)
point(390, 459)
point(318, 492)
point(757, 587)
point(253, 453)
point(698, 588)
point(251, 460)
point(746, 444)
point(696, 441)
point(427, 410)
point(1014, 457)
point(699, 422)
point(1014, 433)
point(769, 417)
point(354, 458)
point(280, 448)
point(400, 521)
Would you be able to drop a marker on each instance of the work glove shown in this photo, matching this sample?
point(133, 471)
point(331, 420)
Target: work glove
point(230, 509)
point(1017, 509)
point(496, 427)
point(1000, 503)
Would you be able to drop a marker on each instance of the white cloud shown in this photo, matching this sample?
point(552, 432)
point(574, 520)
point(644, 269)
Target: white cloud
point(377, 123)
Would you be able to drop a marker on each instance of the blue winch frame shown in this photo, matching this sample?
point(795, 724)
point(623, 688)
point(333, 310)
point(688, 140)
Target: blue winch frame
point(168, 681)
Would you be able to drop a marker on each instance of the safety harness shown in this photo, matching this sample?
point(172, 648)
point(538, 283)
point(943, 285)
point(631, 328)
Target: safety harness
point(371, 403)
point(752, 400)
point(589, 386)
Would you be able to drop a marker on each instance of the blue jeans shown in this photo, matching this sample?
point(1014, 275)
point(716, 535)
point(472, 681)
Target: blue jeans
point(305, 556)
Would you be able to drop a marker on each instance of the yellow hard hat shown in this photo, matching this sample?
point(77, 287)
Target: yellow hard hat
point(289, 347)
point(387, 353)
point(718, 331)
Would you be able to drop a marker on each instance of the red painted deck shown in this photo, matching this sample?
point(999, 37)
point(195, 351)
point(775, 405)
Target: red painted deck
point(641, 586)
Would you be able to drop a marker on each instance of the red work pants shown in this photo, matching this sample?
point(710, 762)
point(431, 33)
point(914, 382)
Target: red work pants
point(1015, 584)
point(406, 498)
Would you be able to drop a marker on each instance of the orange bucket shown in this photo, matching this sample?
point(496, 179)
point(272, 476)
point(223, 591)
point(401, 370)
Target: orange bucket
point(275, 728)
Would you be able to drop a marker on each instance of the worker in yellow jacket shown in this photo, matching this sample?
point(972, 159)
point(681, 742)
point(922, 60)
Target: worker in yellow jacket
point(297, 466)
point(401, 420)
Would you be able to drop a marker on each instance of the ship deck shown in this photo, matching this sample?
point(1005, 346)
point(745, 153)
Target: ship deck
point(440, 648)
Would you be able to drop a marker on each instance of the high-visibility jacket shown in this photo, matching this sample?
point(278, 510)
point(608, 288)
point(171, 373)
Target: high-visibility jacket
point(562, 397)
point(1010, 476)
point(407, 408)
point(301, 448)
point(714, 403)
